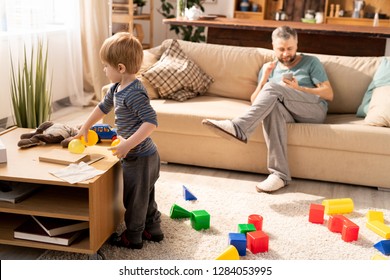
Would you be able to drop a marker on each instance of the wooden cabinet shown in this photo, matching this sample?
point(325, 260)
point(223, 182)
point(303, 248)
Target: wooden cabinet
point(94, 200)
point(347, 6)
point(124, 13)
point(268, 9)
point(258, 14)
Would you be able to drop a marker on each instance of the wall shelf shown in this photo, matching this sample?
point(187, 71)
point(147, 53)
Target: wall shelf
point(268, 8)
point(123, 15)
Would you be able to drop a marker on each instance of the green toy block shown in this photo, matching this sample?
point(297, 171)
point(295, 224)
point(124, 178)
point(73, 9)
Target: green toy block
point(200, 219)
point(178, 212)
point(244, 228)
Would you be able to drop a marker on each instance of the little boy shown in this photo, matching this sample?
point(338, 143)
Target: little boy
point(135, 119)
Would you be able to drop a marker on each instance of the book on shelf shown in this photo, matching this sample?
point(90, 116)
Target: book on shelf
point(30, 230)
point(57, 226)
point(15, 192)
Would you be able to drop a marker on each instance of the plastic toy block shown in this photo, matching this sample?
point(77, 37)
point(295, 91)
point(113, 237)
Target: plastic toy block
point(178, 212)
point(379, 257)
point(257, 241)
point(230, 253)
point(379, 228)
point(187, 194)
point(238, 240)
point(244, 228)
point(316, 213)
point(256, 220)
point(335, 223)
point(375, 216)
point(350, 231)
point(383, 246)
point(200, 219)
point(338, 206)
point(340, 224)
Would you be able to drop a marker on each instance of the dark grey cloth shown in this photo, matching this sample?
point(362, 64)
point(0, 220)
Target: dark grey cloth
point(139, 177)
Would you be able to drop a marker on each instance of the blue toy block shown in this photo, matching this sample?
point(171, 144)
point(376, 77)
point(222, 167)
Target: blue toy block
point(238, 240)
point(187, 194)
point(383, 246)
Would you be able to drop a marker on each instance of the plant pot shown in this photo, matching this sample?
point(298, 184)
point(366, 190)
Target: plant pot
point(138, 11)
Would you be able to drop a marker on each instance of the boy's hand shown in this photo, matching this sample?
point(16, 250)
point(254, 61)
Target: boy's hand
point(120, 150)
point(82, 132)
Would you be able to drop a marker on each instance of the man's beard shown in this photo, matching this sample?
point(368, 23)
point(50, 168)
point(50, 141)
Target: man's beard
point(289, 61)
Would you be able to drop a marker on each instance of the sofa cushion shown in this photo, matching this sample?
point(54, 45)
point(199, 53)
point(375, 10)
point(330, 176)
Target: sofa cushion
point(234, 69)
point(176, 76)
point(150, 58)
point(344, 132)
point(349, 77)
point(381, 78)
point(379, 109)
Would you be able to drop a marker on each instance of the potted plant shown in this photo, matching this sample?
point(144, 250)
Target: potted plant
point(30, 92)
point(139, 5)
point(187, 33)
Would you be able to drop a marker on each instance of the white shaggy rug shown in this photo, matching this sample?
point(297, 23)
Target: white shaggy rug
point(230, 200)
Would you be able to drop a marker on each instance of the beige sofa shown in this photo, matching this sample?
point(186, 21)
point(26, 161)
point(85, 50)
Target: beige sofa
point(344, 149)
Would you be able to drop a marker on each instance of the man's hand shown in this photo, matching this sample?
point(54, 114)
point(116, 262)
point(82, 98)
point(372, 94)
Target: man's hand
point(293, 83)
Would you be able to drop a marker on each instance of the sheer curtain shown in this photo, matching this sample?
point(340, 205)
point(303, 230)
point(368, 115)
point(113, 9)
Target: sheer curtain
point(74, 31)
point(95, 25)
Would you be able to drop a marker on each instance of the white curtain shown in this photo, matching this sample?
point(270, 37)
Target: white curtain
point(73, 30)
point(95, 25)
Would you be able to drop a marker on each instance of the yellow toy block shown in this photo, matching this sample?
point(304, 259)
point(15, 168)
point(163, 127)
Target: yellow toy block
point(379, 257)
point(379, 228)
point(231, 253)
point(338, 206)
point(375, 216)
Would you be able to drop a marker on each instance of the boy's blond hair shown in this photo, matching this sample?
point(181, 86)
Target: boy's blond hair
point(123, 48)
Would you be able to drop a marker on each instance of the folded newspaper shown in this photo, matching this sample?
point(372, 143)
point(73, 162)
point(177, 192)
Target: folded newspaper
point(75, 173)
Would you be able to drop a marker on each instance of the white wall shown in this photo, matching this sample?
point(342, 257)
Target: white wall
point(161, 31)
point(64, 67)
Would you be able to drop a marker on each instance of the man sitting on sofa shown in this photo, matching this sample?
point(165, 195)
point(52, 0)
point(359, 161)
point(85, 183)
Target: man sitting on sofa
point(294, 88)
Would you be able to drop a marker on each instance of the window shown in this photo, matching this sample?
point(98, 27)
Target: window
point(35, 15)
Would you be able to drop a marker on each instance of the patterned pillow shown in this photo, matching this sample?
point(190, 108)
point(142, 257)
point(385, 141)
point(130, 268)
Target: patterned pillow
point(176, 76)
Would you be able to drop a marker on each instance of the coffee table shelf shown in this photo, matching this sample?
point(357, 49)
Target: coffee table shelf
point(94, 200)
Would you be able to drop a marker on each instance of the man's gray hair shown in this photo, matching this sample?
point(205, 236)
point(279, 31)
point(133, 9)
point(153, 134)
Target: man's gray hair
point(284, 33)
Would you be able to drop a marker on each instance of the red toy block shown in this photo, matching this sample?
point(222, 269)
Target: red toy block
point(335, 223)
point(257, 241)
point(350, 231)
point(316, 213)
point(256, 220)
point(340, 224)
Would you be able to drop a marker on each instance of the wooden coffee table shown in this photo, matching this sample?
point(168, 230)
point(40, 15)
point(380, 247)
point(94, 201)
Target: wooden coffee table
point(97, 200)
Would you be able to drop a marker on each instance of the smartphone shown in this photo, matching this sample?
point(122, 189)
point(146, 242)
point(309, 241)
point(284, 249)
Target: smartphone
point(288, 76)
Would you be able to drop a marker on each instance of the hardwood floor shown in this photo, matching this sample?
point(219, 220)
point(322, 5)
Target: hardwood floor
point(364, 196)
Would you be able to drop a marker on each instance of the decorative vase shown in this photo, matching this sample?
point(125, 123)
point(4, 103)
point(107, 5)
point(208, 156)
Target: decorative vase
point(244, 5)
point(181, 9)
point(139, 10)
point(319, 17)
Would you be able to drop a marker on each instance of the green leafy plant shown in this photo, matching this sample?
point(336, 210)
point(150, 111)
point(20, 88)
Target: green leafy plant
point(186, 32)
point(30, 94)
point(140, 3)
